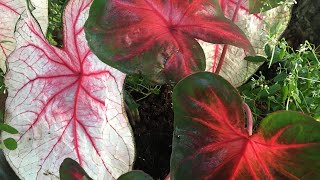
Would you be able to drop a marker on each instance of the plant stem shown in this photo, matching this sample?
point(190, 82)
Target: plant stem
point(249, 118)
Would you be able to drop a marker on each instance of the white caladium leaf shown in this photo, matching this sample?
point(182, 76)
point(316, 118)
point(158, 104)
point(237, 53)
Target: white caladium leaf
point(10, 13)
point(234, 68)
point(65, 103)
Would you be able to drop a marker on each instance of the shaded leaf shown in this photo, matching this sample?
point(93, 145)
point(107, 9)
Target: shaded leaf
point(71, 170)
point(157, 38)
point(211, 141)
point(135, 175)
point(255, 59)
point(65, 103)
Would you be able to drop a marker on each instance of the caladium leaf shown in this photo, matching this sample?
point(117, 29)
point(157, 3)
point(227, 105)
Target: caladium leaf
point(71, 170)
point(256, 6)
point(228, 61)
point(157, 38)
point(211, 141)
point(65, 103)
point(10, 12)
point(135, 175)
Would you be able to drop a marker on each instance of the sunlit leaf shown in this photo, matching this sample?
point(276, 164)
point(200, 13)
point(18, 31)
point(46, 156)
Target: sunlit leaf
point(65, 103)
point(10, 13)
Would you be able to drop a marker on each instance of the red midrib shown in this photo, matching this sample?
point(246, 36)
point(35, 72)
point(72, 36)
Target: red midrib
point(75, 134)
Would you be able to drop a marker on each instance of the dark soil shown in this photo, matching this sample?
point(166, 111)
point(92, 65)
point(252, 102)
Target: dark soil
point(153, 133)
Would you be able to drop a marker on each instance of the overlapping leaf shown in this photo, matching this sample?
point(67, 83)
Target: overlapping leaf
point(211, 142)
point(10, 12)
point(234, 68)
point(157, 38)
point(65, 103)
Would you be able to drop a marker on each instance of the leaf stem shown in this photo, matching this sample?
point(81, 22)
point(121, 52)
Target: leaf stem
point(249, 118)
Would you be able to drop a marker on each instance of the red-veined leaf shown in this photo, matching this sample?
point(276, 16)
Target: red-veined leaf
point(211, 141)
point(10, 12)
point(65, 103)
point(157, 38)
point(228, 61)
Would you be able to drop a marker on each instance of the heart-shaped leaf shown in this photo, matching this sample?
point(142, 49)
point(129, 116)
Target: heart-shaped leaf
point(228, 61)
point(65, 103)
point(157, 38)
point(71, 170)
point(10, 12)
point(211, 141)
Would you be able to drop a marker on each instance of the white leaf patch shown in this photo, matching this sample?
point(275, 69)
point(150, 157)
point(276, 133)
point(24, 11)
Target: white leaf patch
point(10, 13)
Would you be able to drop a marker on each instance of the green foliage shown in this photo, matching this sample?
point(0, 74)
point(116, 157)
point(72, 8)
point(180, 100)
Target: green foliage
point(257, 6)
point(140, 85)
point(54, 32)
point(8, 143)
point(295, 87)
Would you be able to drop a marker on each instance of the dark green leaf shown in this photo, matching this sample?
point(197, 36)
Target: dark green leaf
point(267, 50)
point(71, 170)
point(280, 77)
point(256, 58)
point(271, 91)
point(10, 143)
point(7, 128)
point(135, 175)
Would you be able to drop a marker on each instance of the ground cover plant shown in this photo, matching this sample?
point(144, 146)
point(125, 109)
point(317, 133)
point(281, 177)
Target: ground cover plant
point(68, 107)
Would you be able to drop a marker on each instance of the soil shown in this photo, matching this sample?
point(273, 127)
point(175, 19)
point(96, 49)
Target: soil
point(153, 133)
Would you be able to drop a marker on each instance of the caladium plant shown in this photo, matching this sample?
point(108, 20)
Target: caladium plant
point(211, 140)
point(65, 103)
point(158, 38)
point(10, 13)
point(228, 61)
